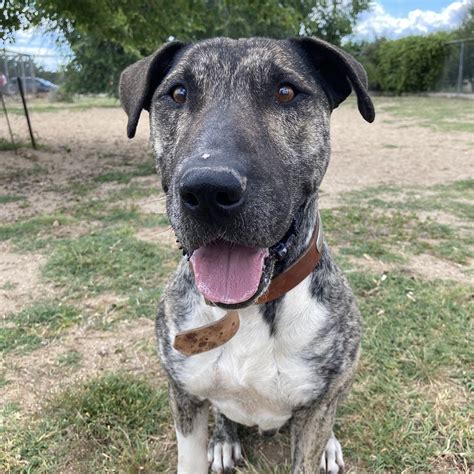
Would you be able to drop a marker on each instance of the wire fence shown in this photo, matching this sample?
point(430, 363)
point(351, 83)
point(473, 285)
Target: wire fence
point(458, 70)
point(36, 78)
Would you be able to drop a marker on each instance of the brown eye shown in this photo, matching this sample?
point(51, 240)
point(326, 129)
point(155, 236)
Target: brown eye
point(179, 94)
point(285, 93)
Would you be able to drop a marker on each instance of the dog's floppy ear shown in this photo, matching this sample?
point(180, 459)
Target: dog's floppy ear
point(139, 81)
point(338, 72)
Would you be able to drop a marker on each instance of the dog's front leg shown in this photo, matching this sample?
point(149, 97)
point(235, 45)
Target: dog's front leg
point(191, 421)
point(311, 429)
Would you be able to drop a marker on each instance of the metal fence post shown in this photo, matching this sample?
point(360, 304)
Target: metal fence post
point(461, 67)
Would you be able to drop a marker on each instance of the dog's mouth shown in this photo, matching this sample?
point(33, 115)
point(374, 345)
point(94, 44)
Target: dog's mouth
point(232, 275)
point(227, 273)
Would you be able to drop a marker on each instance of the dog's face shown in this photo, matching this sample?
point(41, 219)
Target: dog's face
point(240, 130)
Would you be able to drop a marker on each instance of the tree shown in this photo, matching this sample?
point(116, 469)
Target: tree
point(124, 30)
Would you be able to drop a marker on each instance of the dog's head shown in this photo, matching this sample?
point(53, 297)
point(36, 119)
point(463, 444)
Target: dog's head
point(240, 130)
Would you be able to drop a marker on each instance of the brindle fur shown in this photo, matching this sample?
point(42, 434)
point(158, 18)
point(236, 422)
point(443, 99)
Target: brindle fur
point(284, 150)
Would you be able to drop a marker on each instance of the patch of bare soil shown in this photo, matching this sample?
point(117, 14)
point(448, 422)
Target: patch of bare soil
point(76, 147)
point(19, 280)
point(423, 265)
point(415, 156)
point(36, 377)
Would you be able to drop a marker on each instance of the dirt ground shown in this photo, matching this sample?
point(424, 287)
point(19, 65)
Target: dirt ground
point(77, 146)
point(81, 144)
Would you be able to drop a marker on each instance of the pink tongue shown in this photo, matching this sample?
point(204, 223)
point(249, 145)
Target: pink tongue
point(228, 273)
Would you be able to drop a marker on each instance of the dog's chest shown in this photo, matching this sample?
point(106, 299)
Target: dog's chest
point(258, 378)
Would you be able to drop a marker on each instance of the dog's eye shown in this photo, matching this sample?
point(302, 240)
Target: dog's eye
point(179, 94)
point(285, 93)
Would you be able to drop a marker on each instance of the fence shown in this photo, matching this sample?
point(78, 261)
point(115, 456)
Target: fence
point(458, 70)
point(35, 70)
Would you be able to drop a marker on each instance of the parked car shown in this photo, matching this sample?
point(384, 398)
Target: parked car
point(31, 85)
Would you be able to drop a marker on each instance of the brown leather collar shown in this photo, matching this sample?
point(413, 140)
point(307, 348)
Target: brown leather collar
point(210, 336)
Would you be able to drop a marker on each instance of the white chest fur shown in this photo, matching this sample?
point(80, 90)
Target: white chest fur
point(258, 378)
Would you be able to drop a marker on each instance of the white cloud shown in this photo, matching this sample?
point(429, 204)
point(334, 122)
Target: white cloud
point(377, 23)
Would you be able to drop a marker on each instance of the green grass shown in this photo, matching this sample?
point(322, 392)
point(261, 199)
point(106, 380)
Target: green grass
point(22, 173)
point(8, 285)
point(385, 223)
point(70, 358)
point(3, 381)
point(36, 326)
point(79, 104)
point(6, 198)
point(448, 115)
point(416, 338)
point(34, 233)
point(143, 169)
point(392, 235)
point(111, 424)
point(113, 261)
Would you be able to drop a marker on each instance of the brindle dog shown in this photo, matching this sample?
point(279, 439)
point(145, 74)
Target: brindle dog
point(240, 130)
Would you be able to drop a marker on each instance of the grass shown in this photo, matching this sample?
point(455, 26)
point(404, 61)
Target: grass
point(111, 260)
point(111, 424)
point(34, 233)
point(442, 114)
point(22, 173)
point(70, 358)
point(36, 326)
point(144, 169)
point(386, 223)
point(6, 198)
point(410, 408)
point(79, 104)
point(411, 394)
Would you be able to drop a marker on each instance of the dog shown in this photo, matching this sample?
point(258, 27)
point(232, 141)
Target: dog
point(240, 131)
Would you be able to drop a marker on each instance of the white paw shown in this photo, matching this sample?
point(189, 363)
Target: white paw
point(223, 456)
point(331, 460)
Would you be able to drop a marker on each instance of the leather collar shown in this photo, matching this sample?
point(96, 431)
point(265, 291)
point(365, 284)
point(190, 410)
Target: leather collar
point(204, 338)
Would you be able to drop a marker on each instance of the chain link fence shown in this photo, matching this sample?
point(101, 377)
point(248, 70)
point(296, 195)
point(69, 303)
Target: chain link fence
point(458, 71)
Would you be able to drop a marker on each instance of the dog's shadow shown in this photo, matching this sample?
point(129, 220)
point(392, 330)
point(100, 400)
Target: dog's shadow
point(263, 452)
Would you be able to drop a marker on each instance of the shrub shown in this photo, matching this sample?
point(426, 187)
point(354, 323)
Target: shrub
point(411, 64)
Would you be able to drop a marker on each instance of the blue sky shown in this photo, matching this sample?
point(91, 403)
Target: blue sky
point(402, 7)
point(388, 18)
point(397, 18)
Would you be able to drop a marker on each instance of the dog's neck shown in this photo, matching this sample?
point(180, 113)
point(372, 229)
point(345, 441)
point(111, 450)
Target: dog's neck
point(304, 229)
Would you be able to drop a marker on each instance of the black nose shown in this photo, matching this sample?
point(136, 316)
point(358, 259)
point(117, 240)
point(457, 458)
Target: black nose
point(206, 191)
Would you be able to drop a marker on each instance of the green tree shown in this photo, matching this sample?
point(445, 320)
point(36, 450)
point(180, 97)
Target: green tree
point(105, 34)
point(96, 65)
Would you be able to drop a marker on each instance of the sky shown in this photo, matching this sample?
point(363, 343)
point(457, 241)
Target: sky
point(397, 18)
point(386, 18)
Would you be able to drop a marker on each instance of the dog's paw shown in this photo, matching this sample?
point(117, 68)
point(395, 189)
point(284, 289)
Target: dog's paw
point(331, 460)
point(223, 455)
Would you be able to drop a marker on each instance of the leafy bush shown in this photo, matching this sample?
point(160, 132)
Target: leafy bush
point(411, 64)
